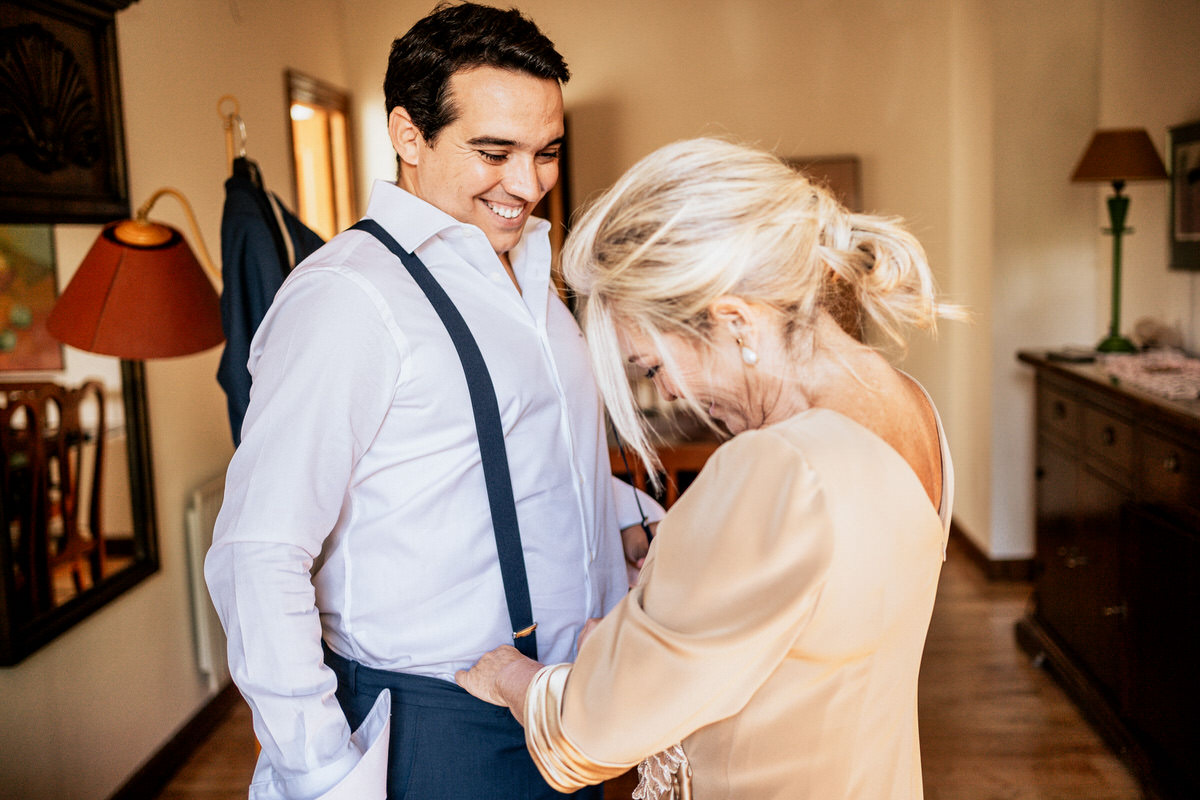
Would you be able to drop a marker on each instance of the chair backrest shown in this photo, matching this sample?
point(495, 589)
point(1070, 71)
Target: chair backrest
point(65, 476)
point(681, 462)
point(22, 512)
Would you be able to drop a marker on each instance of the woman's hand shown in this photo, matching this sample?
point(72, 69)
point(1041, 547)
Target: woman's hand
point(586, 631)
point(501, 678)
point(636, 544)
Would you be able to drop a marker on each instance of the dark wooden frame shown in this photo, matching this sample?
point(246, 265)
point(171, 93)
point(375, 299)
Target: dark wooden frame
point(1183, 148)
point(81, 33)
point(842, 175)
point(20, 637)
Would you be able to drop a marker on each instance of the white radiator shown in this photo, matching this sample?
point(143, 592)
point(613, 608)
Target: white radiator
point(202, 511)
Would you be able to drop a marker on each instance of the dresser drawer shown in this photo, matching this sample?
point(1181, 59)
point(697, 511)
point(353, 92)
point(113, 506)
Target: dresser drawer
point(1170, 473)
point(1058, 413)
point(1109, 437)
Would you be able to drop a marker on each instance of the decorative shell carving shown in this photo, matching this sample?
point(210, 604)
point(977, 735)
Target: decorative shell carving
point(48, 114)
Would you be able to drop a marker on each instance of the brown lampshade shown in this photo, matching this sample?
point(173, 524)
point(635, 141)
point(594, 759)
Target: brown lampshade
point(1124, 154)
point(140, 293)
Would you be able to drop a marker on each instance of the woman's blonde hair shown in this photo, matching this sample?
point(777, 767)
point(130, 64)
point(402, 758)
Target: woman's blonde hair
point(703, 218)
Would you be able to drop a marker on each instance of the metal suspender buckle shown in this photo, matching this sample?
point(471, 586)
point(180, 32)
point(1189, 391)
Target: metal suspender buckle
point(525, 631)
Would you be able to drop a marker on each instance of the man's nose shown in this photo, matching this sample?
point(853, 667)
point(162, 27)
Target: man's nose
point(521, 180)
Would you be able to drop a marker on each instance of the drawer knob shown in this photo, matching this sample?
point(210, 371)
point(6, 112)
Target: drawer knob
point(1171, 463)
point(1116, 611)
point(1110, 435)
point(1060, 409)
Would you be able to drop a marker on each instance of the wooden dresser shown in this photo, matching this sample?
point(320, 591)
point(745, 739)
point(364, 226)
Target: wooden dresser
point(1116, 608)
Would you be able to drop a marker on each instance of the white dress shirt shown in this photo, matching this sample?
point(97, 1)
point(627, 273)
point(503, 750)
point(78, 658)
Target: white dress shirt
point(355, 507)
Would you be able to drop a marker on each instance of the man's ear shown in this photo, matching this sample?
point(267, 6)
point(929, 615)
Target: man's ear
point(406, 139)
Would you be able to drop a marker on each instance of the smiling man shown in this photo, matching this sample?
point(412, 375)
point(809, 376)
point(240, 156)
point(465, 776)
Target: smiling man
point(372, 542)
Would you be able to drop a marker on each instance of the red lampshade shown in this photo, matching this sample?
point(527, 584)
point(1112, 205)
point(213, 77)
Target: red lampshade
point(1121, 154)
point(140, 293)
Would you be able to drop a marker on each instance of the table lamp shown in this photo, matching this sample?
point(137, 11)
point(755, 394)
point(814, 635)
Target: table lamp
point(140, 292)
point(1117, 156)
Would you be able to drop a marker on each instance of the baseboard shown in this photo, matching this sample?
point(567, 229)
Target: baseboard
point(157, 772)
point(1008, 569)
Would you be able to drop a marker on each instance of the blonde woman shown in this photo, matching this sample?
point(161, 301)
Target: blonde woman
point(777, 628)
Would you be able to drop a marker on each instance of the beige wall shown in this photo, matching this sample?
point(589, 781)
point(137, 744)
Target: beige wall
point(968, 116)
point(82, 714)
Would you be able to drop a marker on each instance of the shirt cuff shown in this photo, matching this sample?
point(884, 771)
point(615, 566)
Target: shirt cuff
point(627, 507)
point(365, 780)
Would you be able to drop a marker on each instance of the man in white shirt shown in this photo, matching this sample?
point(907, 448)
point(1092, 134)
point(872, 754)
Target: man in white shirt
point(355, 506)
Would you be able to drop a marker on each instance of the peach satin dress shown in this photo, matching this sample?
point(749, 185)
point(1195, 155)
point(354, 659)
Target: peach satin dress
point(776, 631)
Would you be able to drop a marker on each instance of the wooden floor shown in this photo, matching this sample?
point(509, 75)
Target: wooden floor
point(993, 727)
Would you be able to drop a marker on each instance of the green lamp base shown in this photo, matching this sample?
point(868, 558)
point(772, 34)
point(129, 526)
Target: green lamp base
point(1116, 344)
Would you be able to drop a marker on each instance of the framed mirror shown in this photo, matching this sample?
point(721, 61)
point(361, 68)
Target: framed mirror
point(77, 514)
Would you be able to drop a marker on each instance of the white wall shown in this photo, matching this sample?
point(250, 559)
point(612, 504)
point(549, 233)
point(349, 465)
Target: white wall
point(1149, 77)
point(968, 116)
point(1043, 270)
point(807, 78)
point(1091, 64)
point(84, 713)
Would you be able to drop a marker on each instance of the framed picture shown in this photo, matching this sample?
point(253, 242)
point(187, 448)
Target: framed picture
point(28, 289)
point(62, 145)
point(842, 175)
point(1184, 148)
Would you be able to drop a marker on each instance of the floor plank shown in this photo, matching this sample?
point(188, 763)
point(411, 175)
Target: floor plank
point(993, 726)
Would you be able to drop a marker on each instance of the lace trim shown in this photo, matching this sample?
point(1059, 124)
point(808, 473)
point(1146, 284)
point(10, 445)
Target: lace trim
point(657, 774)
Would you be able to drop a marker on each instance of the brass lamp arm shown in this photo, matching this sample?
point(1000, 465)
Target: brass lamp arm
point(205, 259)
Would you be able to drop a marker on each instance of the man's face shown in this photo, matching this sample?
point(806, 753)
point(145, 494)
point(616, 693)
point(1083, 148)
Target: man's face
point(493, 164)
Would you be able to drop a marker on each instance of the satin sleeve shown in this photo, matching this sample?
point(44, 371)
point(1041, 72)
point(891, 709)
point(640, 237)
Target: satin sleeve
point(730, 582)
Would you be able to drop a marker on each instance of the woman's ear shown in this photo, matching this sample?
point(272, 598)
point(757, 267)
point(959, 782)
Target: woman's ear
point(406, 139)
point(732, 314)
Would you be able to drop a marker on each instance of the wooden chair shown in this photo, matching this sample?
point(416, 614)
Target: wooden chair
point(63, 480)
point(20, 509)
point(681, 460)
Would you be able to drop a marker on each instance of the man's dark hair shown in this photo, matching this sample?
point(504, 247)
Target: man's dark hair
point(455, 37)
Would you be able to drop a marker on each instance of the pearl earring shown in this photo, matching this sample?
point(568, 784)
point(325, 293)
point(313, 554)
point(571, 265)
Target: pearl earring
point(749, 357)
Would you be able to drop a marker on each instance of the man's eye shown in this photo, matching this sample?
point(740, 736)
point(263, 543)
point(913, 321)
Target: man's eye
point(549, 155)
point(492, 158)
point(650, 373)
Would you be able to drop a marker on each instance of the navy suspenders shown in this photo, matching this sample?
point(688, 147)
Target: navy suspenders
point(491, 441)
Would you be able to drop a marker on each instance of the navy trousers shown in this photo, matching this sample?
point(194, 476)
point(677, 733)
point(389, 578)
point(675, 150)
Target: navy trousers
point(446, 744)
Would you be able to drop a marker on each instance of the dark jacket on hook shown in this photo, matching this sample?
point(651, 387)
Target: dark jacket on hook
point(254, 262)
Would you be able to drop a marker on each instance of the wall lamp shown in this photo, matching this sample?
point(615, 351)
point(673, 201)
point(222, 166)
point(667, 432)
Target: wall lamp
point(140, 293)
